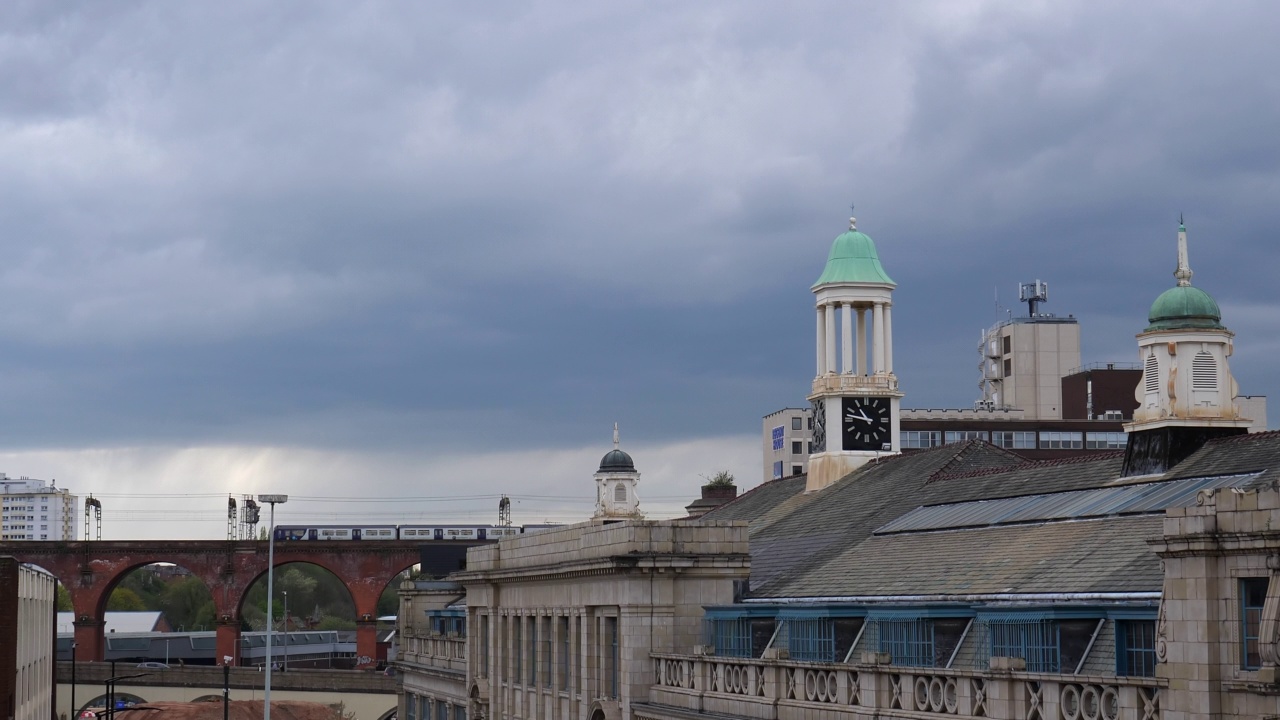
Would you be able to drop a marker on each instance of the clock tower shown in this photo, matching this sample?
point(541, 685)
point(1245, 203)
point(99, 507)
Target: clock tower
point(855, 394)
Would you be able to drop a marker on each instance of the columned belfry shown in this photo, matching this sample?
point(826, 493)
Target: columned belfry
point(855, 394)
point(1187, 394)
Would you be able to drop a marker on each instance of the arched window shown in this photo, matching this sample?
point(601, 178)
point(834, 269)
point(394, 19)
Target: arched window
point(1204, 372)
point(1151, 375)
point(619, 493)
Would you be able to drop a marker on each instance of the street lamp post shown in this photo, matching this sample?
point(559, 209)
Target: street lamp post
point(286, 629)
point(272, 500)
point(75, 711)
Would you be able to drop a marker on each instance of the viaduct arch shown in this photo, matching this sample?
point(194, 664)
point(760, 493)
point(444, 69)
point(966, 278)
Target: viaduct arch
point(90, 569)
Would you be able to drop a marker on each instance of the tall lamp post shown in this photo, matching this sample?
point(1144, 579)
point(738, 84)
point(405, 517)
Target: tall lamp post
point(272, 500)
point(285, 593)
point(75, 711)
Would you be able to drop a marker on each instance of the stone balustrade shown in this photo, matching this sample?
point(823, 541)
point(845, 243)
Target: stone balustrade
point(786, 690)
point(433, 649)
point(837, 382)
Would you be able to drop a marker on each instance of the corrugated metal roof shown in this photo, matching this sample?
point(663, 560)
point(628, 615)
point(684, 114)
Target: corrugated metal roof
point(1098, 502)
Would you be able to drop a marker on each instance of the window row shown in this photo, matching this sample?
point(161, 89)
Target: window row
point(546, 651)
point(1049, 645)
point(421, 707)
point(1017, 439)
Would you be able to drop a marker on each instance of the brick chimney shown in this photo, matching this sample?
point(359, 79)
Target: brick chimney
point(713, 496)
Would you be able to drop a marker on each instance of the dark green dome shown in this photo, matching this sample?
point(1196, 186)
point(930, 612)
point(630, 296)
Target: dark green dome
point(616, 461)
point(853, 259)
point(1184, 306)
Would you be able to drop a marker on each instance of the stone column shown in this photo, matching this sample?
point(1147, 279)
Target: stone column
point(830, 314)
point(846, 337)
point(888, 337)
point(822, 345)
point(877, 345)
point(862, 341)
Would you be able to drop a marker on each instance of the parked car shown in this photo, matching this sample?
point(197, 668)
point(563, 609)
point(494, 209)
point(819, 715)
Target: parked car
point(153, 665)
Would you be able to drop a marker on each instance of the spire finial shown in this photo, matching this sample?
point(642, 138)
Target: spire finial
point(853, 221)
point(1183, 273)
point(615, 436)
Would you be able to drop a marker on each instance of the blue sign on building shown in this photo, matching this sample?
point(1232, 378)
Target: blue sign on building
point(777, 438)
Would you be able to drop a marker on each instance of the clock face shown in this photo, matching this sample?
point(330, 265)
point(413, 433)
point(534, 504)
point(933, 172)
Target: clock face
point(865, 423)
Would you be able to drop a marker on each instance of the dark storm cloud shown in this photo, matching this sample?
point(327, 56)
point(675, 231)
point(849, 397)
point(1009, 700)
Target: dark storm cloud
point(415, 226)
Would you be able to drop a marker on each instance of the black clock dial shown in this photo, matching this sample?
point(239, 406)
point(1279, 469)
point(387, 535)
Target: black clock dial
point(819, 426)
point(866, 423)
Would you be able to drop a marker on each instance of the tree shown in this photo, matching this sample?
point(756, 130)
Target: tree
point(125, 600)
point(186, 603)
point(64, 599)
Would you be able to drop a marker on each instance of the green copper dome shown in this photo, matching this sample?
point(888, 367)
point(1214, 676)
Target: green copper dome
point(853, 259)
point(1184, 306)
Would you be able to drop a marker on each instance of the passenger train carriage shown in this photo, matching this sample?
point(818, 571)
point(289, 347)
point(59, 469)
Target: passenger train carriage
point(292, 533)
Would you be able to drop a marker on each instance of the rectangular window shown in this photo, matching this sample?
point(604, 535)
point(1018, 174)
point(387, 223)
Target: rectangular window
point(517, 647)
point(810, 422)
point(795, 447)
point(1014, 440)
point(459, 712)
point(920, 438)
point(1136, 648)
point(1106, 440)
point(546, 651)
point(908, 642)
point(796, 423)
point(821, 639)
point(731, 637)
point(920, 642)
point(777, 470)
point(797, 469)
point(955, 436)
point(564, 653)
point(1008, 344)
point(533, 651)
point(484, 646)
point(1253, 593)
point(1035, 641)
point(610, 652)
point(1061, 440)
point(410, 704)
point(442, 711)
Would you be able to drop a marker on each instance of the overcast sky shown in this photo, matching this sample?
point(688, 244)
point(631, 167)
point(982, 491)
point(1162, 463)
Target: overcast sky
point(426, 255)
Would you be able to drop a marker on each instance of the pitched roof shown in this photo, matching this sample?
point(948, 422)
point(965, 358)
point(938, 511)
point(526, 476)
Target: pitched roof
point(822, 544)
point(1084, 556)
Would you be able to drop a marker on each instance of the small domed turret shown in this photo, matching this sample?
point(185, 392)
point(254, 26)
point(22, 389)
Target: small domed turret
point(616, 461)
point(1183, 306)
point(853, 259)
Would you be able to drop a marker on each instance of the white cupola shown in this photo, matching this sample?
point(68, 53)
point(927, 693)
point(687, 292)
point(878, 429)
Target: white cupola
point(616, 481)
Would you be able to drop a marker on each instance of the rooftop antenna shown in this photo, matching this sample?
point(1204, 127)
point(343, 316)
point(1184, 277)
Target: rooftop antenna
point(1033, 293)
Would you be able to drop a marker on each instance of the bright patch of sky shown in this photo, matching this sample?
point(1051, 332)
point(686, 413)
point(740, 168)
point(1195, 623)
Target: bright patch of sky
point(415, 251)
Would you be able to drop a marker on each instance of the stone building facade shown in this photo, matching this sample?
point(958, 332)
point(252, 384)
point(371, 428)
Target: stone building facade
point(958, 581)
point(27, 598)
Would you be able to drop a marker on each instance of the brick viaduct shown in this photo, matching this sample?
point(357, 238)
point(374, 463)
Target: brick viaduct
point(91, 570)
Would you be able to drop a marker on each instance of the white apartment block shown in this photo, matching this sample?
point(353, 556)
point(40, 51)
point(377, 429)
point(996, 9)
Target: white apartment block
point(788, 440)
point(35, 510)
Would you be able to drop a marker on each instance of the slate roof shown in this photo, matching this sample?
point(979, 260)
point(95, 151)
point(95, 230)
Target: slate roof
point(821, 544)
